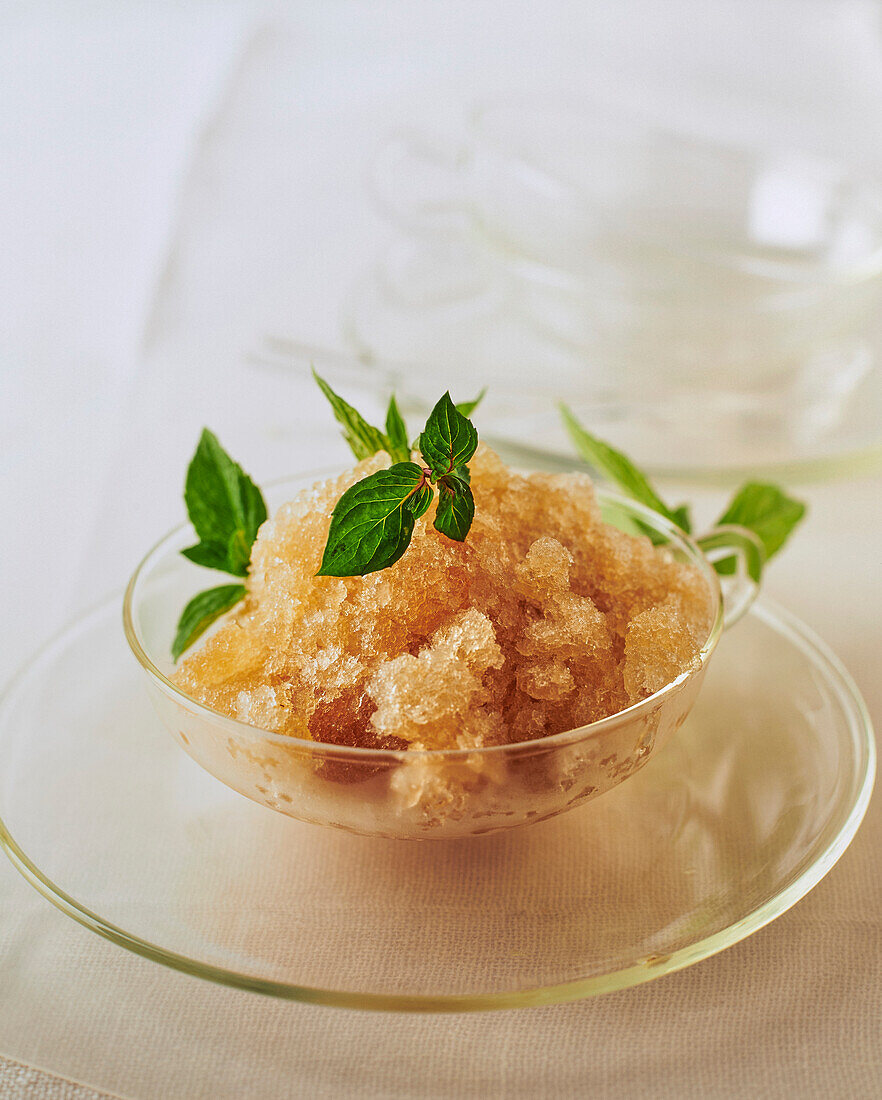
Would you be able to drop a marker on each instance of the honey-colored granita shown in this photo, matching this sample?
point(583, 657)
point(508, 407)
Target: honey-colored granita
point(544, 619)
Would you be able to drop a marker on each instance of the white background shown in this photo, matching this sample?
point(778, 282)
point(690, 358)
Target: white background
point(142, 258)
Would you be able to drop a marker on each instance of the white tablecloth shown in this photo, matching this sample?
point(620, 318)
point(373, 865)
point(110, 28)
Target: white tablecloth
point(128, 311)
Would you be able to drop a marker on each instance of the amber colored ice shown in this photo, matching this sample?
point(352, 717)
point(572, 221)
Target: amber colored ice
point(544, 619)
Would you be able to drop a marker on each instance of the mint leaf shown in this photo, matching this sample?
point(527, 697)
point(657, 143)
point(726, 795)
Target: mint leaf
point(225, 507)
point(419, 503)
point(239, 553)
point(364, 439)
point(372, 523)
point(449, 439)
point(468, 407)
point(620, 470)
point(680, 516)
point(767, 511)
point(764, 509)
point(456, 507)
point(208, 554)
point(201, 612)
point(396, 433)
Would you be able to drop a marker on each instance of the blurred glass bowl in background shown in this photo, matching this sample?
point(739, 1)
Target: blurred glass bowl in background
point(716, 306)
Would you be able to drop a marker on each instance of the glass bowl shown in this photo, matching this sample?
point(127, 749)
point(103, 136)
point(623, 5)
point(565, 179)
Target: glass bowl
point(418, 794)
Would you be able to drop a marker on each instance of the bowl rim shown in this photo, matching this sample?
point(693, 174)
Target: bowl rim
point(241, 729)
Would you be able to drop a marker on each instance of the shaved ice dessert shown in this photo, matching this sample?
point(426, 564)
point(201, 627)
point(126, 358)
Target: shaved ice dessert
point(433, 645)
point(543, 620)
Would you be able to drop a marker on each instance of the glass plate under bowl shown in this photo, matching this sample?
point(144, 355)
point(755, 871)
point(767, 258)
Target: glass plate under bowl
point(736, 819)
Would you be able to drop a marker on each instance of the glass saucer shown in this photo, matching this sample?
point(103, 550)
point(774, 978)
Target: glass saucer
point(736, 819)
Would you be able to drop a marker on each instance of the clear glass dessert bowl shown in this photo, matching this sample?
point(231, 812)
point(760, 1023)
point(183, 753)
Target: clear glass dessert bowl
point(419, 794)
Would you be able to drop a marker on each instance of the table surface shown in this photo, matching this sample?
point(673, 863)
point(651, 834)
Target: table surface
point(122, 339)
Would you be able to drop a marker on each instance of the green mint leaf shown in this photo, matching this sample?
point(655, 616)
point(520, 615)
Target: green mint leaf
point(364, 439)
point(620, 470)
point(463, 473)
point(209, 554)
point(396, 433)
point(225, 507)
point(239, 553)
point(419, 503)
point(468, 407)
point(372, 523)
point(767, 511)
point(680, 516)
point(456, 507)
point(449, 439)
point(201, 612)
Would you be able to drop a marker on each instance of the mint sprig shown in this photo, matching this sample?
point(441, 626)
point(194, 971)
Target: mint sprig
point(365, 440)
point(226, 509)
point(621, 471)
point(762, 508)
point(373, 522)
point(767, 511)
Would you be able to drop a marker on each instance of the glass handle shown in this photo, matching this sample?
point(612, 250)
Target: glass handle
point(738, 557)
point(421, 183)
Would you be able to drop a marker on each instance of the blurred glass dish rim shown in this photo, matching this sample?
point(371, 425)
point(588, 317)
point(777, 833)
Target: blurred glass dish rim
point(523, 424)
point(572, 164)
point(716, 304)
